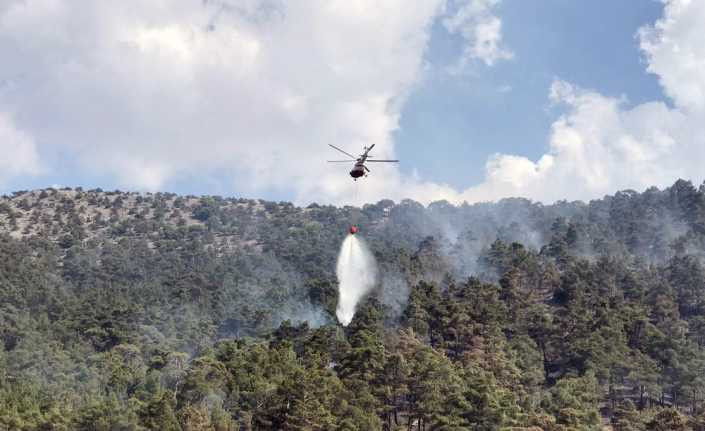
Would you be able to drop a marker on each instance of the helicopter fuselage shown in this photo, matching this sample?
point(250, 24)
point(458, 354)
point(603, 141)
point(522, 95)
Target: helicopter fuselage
point(358, 170)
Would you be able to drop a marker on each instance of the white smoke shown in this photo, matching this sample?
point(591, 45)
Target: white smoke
point(357, 272)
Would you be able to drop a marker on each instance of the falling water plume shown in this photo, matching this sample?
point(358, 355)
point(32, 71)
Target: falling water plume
point(356, 272)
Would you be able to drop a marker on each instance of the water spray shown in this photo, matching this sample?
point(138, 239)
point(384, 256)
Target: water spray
point(357, 272)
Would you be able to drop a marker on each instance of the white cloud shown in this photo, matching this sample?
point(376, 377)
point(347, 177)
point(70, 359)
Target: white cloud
point(599, 145)
point(254, 89)
point(675, 49)
point(19, 154)
point(257, 88)
point(481, 29)
point(175, 89)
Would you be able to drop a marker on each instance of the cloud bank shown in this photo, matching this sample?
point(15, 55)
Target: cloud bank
point(600, 145)
point(477, 23)
point(250, 92)
point(19, 154)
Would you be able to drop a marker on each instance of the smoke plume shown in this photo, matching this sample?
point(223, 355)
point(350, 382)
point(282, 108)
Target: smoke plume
point(357, 271)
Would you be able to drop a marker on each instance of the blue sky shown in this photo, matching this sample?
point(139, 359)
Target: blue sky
point(480, 99)
point(452, 123)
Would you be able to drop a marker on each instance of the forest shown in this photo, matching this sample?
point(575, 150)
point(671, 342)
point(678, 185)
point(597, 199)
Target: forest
point(155, 311)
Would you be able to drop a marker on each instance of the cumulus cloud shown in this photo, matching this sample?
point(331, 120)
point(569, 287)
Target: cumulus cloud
point(254, 89)
point(19, 154)
point(249, 92)
point(481, 29)
point(246, 90)
point(597, 147)
point(601, 145)
point(675, 49)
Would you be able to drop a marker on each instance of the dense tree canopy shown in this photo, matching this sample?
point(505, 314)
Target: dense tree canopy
point(155, 311)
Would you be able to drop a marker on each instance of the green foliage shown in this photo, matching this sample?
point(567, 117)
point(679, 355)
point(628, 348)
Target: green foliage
point(574, 401)
point(154, 311)
point(668, 419)
point(626, 417)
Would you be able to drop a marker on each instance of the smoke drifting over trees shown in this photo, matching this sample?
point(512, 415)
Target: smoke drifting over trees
point(157, 311)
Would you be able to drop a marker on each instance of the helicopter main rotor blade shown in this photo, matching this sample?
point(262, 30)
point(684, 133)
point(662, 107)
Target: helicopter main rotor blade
point(366, 168)
point(344, 152)
point(383, 161)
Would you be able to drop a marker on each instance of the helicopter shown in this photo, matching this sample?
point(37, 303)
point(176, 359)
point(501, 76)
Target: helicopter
point(360, 169)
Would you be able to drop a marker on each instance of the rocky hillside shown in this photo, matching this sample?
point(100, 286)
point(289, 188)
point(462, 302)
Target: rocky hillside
point(121, 310)
point(95, 215)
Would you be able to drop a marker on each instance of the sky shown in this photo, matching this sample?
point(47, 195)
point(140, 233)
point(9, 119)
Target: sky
point(479, 99)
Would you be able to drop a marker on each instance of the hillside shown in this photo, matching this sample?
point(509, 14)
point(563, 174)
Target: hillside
point(121, 310)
